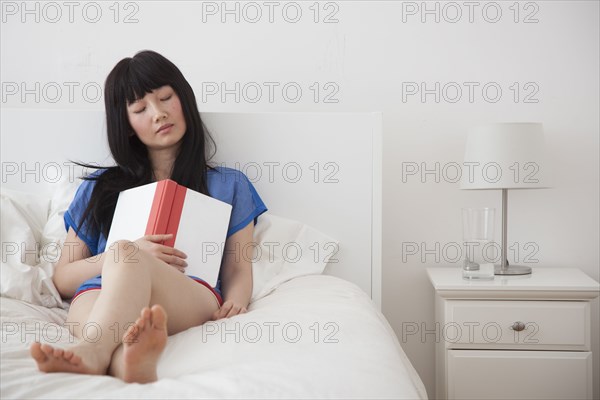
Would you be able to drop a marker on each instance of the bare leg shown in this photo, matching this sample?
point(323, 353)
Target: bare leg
point(130, 283)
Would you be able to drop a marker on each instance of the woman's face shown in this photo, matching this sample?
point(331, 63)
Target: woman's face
point(157, 119)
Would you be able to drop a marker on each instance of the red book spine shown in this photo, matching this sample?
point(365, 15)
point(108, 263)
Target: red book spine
point(161, 207)
point(175, 217)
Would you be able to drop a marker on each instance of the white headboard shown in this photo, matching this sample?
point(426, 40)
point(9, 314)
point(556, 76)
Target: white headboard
point(323, 169)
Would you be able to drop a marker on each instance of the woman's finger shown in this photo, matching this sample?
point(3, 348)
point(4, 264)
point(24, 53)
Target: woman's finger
point(225, 308)
point(172, 260)
point(171, 251)
point(177, 261)
point(234, 311)
point(158, 238)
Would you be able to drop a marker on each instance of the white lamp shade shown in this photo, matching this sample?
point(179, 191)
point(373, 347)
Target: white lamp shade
point(505, 156)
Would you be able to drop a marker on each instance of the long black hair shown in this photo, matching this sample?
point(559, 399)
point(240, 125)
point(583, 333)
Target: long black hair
point(128, 81)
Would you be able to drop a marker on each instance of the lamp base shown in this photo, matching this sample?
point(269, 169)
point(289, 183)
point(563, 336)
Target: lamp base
point(512, 270)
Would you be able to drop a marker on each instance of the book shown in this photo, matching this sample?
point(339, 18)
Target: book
point(198, 223)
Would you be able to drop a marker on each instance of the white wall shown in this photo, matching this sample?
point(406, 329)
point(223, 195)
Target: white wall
point(365, 57)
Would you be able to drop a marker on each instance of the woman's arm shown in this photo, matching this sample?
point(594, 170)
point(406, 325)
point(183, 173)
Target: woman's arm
point(236, 273)
point(75, 265)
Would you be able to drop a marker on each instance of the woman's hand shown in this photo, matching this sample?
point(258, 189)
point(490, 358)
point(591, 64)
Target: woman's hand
point(170, 255)
point(236, 275)
point(229, 309)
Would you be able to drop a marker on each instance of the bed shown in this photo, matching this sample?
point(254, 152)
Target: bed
point(314, 327)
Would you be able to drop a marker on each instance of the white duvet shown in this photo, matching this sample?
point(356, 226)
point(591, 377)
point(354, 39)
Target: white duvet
point(315, 336)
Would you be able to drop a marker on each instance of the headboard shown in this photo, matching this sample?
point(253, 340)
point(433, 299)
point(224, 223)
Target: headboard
point(323, 169)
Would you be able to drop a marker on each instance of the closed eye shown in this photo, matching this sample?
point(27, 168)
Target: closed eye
point(167, 98)
point(139, 111)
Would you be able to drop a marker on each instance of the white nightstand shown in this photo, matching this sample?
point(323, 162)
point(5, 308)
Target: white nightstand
point(516, 337)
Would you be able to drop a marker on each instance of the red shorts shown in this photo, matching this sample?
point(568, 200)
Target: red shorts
point(96, 284)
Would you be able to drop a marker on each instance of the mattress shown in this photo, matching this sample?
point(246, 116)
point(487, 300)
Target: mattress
point(315, 336)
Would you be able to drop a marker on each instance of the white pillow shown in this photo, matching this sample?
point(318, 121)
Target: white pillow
point(25, 276)
point(286, 249)
point(54, 233)
point(283, 248)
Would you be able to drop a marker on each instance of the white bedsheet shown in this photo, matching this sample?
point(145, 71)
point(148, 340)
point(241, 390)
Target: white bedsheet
point(314, 337)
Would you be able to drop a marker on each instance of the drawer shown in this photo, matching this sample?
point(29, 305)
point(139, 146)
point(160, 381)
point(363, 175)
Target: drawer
point(546, 325)
point(497, 374)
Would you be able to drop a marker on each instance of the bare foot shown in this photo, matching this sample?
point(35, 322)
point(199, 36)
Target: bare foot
point(81, 359)
point(143, 343)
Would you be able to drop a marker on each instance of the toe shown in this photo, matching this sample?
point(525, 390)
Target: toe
point(58, 352)
point(75, 359)
point(146, 316)
point(67, 355)
point(47, 349)
point(159, 317)
point(37, 353)
point(131, 334)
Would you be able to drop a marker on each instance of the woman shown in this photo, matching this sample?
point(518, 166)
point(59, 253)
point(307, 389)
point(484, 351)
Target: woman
point(124, 294)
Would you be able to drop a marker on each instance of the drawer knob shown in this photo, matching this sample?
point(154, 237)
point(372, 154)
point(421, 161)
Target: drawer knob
point(518, 326)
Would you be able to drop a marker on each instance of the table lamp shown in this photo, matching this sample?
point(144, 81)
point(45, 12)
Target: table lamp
point(505, 156)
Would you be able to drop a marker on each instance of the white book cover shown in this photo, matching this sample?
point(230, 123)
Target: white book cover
point(199, 223)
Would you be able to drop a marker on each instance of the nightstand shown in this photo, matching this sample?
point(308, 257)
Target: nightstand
point(516, 337)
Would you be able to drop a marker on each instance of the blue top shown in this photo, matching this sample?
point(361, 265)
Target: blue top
point(225, 184)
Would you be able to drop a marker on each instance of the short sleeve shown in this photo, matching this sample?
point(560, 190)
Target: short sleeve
point(74, 214)
point(234, 187)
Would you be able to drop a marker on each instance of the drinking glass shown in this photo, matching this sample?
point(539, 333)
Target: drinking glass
point(478, 239)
